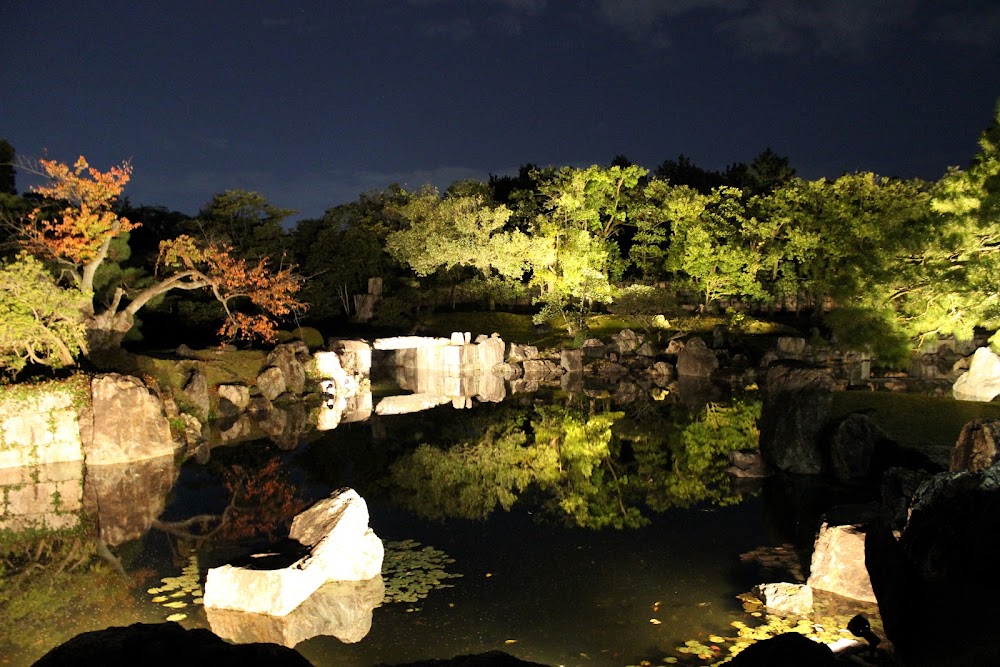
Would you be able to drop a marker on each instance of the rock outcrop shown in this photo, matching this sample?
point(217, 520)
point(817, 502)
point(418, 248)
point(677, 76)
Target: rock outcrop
point(696, 359)
point(785, 599)
point(129, 422)
point(977, 446)
point(797, 405)
point(838, 560)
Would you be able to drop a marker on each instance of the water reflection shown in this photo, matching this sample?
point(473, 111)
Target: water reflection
point(581, 459)
point(590, 466)
point(125, 499)
point(45, 498)
point(341, 609)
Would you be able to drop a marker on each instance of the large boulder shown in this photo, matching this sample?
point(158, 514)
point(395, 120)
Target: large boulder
point(571, 361)
point(355, 355)
point(520, 352)
point(129, 422)
point(976, 448)
point(936, 583)
point(982, 381)
point(696, 359)
point(838, 560)
point(853, 441)
point(195, 393)
point(785, 599)
point(797, 403)
point(625, 341)
point(290, 359)
point(490, 351)
point(233, 399)
point(341, 547)
point(271, 383)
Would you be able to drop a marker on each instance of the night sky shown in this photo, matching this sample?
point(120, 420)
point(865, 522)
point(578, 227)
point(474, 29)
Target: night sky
point(313, 103)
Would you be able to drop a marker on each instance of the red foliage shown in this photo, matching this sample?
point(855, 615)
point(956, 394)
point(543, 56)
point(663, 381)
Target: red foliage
point(263, 503)
point(77, 233)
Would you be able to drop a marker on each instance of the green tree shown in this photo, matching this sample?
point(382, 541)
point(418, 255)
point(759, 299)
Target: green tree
point(40, 321)
point(244, 221)
point(346, 247)
point(714, 249)
point(661, 207)
point(577, 215)
point(962, 286)
point(446, 234)
point(8, 175)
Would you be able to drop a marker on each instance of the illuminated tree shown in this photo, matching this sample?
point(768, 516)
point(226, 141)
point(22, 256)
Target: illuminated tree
point(575, 260)
point(77, 226)
point(460, 230)
point(963, 268)
point(715, 249)
point(457, 231)
point(39, 321)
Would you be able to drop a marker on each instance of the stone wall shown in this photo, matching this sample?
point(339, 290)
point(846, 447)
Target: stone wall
point(39, 425)
point(41, 497)
point(112, 419)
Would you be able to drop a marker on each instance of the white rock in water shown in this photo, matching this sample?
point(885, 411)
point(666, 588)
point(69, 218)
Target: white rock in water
point(784, 598)
point(343, 548)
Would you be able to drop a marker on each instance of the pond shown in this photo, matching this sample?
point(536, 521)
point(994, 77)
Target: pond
point(563, 528)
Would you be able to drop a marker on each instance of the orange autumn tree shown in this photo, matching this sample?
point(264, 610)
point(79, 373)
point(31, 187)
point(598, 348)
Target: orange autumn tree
point(75, 233)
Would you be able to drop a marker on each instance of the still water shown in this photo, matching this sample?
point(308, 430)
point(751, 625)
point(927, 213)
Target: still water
point(566, 530)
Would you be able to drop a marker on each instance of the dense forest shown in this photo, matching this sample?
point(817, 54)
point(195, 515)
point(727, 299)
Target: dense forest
point(878, 262)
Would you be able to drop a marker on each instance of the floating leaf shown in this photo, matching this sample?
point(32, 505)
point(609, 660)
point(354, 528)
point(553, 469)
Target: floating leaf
point(176, 617)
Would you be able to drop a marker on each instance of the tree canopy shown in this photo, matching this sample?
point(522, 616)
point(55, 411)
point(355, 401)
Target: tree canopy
point(76, 229)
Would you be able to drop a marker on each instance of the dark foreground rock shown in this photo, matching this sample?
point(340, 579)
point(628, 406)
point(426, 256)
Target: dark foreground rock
point(788, 650)
point(490, 659)
point(936, 583)
point(151, 644)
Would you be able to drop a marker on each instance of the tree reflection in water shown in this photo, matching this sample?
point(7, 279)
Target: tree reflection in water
point(583, 463)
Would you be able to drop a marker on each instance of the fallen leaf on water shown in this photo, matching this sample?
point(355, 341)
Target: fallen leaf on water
point(510, 641)
point(176, 617)
point(654, 621)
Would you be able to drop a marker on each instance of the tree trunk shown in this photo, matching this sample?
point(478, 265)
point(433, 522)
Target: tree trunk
point(105, 333)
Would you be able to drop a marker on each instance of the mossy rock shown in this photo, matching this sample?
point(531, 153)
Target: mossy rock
point(313, 339)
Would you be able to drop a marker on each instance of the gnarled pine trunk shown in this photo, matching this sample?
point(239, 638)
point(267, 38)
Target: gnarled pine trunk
point(105, 332)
